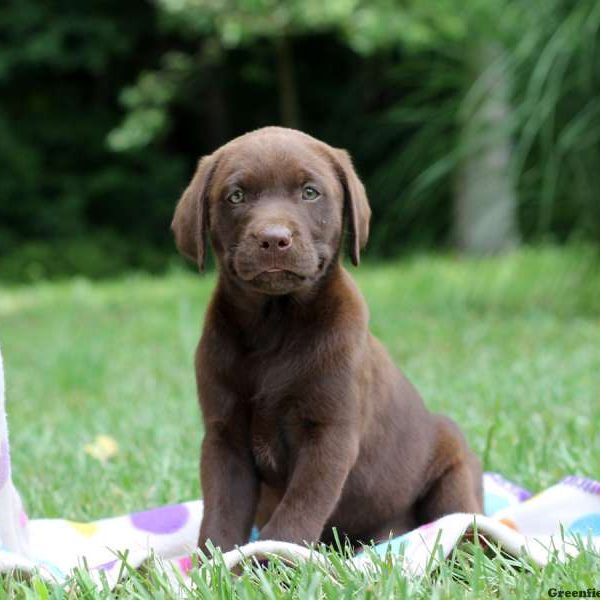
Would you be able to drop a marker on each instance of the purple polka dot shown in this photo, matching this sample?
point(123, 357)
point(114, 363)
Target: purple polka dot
point(107, 566)
point(4, 462)
point(166, 519)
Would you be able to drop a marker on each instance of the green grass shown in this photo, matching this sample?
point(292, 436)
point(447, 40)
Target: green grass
point(509, 347)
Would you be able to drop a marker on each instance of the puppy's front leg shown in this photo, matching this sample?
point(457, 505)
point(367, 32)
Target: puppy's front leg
point(325, 458)
point(229, 485)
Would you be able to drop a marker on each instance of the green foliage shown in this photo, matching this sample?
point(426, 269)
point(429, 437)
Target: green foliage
point(147, 102)
point(242, 21)
point(557, 150)
point(99, 256)
point(60, 73)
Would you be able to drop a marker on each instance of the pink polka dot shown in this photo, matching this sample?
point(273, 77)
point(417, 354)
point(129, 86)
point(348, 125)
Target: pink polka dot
point(186, 564)
point(23, 520)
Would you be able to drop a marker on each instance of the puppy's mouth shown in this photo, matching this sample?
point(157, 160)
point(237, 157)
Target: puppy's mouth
point(278, 269)
point(277, 273)
point(290, 274)
point(278, 279)
point(280, 275)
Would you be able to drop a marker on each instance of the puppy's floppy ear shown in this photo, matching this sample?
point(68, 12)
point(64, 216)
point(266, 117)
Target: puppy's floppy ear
point(356, 204)
point(190, 220)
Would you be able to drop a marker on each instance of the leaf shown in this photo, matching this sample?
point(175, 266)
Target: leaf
point(103, 448)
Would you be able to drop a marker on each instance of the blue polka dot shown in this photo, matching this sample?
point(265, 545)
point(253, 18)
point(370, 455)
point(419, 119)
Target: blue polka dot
point(395, 545)
point(492, 503)
point(254, 535)
point(588, 525)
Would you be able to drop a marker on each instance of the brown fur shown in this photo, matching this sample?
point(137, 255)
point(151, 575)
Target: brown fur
point(309, 425)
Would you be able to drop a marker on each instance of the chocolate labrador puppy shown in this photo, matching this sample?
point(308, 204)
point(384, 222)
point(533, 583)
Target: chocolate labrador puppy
point(309, 425)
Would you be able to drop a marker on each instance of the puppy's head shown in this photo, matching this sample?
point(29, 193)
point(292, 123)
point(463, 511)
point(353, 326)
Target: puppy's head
point(273, 203)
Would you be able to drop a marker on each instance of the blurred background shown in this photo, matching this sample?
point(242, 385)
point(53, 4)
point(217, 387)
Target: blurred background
point(475, 125)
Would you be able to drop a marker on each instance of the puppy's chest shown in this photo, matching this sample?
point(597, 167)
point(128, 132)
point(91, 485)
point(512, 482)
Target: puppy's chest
point(274, 441)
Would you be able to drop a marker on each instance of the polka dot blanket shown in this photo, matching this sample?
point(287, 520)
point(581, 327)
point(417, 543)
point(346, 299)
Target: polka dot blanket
point(558, 521)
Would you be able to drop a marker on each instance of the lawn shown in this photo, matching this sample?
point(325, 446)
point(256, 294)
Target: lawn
point(509, 347)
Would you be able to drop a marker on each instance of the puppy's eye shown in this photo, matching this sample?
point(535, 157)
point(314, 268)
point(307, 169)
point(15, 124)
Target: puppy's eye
point(236, 197)
point(310, 194)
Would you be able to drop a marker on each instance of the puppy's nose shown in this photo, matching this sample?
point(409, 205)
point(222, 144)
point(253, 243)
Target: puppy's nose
point(275, 237)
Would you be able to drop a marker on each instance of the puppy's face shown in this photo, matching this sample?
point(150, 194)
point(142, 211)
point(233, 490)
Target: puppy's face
point(273, 203)
point(275, 212)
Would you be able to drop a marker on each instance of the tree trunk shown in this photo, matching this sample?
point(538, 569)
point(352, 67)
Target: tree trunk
point(485, 207)
point(288, 99)
point(218, 130)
